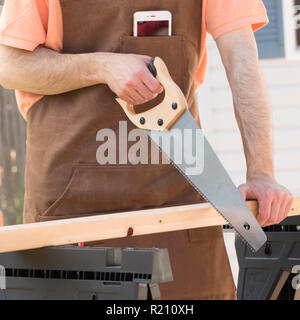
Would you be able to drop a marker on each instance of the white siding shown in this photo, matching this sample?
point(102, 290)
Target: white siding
point(216, 111)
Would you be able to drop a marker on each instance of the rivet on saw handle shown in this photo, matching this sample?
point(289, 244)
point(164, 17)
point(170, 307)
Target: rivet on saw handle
point(165, 114)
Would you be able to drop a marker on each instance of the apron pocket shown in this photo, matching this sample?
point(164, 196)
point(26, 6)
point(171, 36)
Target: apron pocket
point(95, 189)
point(170, 48)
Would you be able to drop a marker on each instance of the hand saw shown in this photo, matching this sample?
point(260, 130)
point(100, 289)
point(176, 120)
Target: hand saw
point(213, 182)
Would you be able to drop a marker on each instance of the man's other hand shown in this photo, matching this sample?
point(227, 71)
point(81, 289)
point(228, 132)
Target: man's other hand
point(274, 200)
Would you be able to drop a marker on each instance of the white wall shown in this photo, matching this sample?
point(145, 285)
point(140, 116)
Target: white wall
point(216, 111)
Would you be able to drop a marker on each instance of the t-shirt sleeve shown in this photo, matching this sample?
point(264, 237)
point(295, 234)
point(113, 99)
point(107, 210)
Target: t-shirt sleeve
point(21, 24)
point(223, 16)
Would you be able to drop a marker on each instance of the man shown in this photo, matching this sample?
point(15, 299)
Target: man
point(67, 58)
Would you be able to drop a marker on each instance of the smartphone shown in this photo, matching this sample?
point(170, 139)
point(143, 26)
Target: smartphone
point(152, 23)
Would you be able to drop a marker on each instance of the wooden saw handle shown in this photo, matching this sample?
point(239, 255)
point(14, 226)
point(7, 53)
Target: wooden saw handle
point(165, 114)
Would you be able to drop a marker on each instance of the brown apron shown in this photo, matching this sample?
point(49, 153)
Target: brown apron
point(63, 178)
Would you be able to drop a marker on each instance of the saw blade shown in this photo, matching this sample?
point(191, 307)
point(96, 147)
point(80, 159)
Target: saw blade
point(182, 144)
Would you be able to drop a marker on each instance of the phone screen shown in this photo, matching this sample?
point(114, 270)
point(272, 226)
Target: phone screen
point(152, 28)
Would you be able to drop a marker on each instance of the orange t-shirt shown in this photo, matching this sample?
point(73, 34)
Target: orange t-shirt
point(26, 24)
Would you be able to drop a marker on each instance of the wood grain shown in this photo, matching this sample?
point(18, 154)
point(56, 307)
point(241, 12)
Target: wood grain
point(117, 225)
point(279, 285)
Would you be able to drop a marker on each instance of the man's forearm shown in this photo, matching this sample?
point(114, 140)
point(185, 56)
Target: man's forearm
point(253, 113)
point(252, 109)
point(48, 72)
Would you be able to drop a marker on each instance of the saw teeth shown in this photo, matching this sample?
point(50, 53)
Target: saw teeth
point(203, 195)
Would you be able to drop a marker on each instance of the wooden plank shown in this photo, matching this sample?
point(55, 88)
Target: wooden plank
point(117, 225)
point(282, 280)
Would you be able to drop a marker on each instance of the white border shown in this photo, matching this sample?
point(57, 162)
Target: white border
point(151, 16)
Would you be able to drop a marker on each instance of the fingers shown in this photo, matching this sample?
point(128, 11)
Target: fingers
point(147, 86)
point(248, 192)
point(149, 80)
point(264, 209)
point(127, 97)
point(136, 96)
point(138, 91)
point(274, 213)
point(282, 211)
point(274, 201)
point(129, 94)
point(128, 76)
point(144, 91)
point(285, 208)
point(151, 83)
point(275, 207)
point(244, 189)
